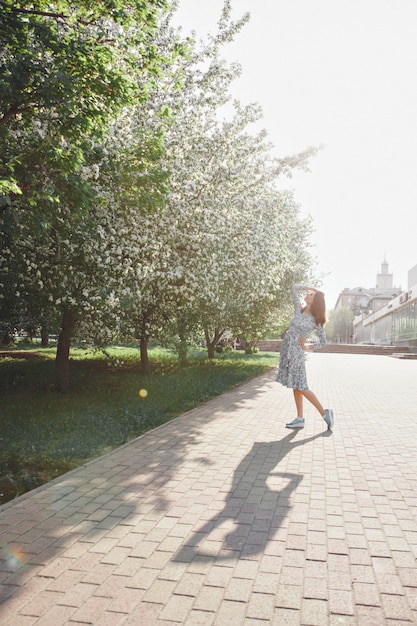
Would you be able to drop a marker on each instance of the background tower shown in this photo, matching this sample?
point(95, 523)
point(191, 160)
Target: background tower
point(384, 280)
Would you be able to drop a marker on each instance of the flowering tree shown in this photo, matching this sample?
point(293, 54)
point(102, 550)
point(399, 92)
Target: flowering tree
point(65, 72)
point(221, 244)
point(233, 235)
point(141, 212)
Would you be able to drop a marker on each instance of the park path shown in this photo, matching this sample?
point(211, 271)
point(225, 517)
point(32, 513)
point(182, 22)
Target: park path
point(223, 516)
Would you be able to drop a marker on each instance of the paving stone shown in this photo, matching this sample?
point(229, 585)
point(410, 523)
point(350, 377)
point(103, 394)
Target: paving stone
point(209, 599)
point(314, 612)
point(396, 607)
point(91, 611)
point(231, 613)
point(341, 602)
point(124, 601)
point(200, 618)
point(261, 606)
point(222, 517)
point(315, 589)
point(56, 615)
point(67, 580)
point(39, 604)
point(286, 617)
point(289, 597)
point(366, 594)
point(177, 608)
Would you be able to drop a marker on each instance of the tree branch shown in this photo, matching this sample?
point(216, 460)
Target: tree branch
point(55, 16)
point(14, 9)
point(12, 112)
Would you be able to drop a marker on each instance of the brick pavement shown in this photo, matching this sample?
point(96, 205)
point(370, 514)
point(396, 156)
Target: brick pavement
point(224, 517)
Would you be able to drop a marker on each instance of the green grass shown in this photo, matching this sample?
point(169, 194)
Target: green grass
point(44, 434)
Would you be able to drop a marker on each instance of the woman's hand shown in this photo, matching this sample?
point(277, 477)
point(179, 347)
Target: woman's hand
point(303, 345)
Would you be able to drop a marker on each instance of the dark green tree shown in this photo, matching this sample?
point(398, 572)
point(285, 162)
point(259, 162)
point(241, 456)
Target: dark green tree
point(66, 70)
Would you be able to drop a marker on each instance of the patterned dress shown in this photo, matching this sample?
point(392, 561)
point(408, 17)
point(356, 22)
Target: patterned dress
point(292, 369)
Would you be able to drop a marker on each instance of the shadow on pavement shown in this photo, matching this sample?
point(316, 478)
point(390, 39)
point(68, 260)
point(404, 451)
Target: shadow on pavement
point(125, 487)
point(258, 502)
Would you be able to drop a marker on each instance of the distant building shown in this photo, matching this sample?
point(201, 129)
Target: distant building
point(412, 277)
point(363, 300)
point(395, 321)
point(384, 280)
point(356, 299)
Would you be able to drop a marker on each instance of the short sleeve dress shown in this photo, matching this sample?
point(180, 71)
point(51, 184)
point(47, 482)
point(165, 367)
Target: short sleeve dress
point(292, 369)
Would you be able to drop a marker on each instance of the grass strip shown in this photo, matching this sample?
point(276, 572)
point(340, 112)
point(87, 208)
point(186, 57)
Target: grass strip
point(44, 434)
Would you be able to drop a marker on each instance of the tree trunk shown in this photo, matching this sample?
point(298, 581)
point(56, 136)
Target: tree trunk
point(182, 349)
point(44, 336)
point(211, 344)
point(63, 349)
point(144, 356)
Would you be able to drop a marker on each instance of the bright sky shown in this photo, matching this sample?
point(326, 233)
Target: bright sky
point(341, 73)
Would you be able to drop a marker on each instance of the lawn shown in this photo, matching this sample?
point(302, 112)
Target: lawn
point(44, 434)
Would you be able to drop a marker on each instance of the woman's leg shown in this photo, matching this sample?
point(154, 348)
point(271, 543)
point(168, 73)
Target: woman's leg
point(311, 397)
point(327, 414)
point(298, 397)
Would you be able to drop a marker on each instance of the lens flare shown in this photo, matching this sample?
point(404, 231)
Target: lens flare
point(143, 393)
point(14, 558)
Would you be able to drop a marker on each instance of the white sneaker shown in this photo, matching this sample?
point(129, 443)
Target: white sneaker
point(297, 423)
point(329, 418)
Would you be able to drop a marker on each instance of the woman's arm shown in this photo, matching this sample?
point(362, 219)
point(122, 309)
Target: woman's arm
point(296, 296)
point(322, 336)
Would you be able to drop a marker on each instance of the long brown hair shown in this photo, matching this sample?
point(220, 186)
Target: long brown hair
point(318, 308)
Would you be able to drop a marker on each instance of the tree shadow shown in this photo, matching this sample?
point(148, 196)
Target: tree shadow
point(130, 487)
point(258, 502)
point(123, 487)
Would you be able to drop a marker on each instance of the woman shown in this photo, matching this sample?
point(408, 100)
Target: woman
point(292, 370)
